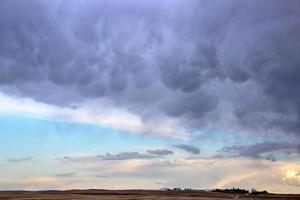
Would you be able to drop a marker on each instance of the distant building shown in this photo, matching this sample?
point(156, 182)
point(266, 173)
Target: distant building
point(164, 189)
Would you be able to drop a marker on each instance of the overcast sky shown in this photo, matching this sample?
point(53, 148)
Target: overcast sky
point(147, 94)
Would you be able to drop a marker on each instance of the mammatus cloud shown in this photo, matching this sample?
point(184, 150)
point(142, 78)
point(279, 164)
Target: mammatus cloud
point(189, 148)
point(160, 152)
point(173, 59)
point(258, 150)
point(173, 68)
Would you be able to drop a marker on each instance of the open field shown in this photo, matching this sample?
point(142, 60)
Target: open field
point(133, 194)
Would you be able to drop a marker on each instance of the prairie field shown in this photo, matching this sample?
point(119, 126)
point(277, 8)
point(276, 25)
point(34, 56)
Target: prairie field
point(134, 194)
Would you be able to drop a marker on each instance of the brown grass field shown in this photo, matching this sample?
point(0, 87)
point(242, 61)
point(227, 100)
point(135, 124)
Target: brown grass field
point(135, 194)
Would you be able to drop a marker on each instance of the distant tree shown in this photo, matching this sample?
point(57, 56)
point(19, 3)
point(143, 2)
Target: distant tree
point(233, 190)
point(177, 189)
point(253, 190)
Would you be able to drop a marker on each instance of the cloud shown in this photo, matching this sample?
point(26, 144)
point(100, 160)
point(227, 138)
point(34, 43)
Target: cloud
point(189, 148)
point(78, 159)
point(20, 160)
point(108, 116)
point(195, 173)
point(31, 183)
point(125, 156)
point(231, 179)
point(271, 157)
point(160, 152)
point(257, 150)
point(67, 175)
point(111, 156)
point(278, 176)
point(173, 60)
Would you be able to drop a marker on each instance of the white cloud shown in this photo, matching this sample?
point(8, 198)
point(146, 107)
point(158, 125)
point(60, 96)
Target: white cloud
point(280, 176)
point(105, 115)
point(198, 173)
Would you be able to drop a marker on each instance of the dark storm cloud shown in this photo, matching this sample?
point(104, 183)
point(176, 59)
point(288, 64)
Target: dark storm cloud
point(160, 152)
point(189, 148)
point(191, 60)
point(258, 150)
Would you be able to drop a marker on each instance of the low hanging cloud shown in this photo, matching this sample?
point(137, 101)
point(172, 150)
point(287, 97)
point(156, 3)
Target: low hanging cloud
point(258, 150)
point(188, 148)
point(67, 175)
point(160, 152)
point(21, 160)
point(151, 154)
point(174, 59)
point(196, 173)
point(125, 156)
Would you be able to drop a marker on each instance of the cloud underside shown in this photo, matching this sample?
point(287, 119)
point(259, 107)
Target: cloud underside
point(237, 69)
point(265, 150)
point(160, 152)
point(189, 148)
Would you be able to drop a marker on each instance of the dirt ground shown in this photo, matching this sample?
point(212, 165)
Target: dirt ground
point(134, 194)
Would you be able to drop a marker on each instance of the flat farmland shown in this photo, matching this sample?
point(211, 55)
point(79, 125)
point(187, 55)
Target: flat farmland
point(135, 194)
